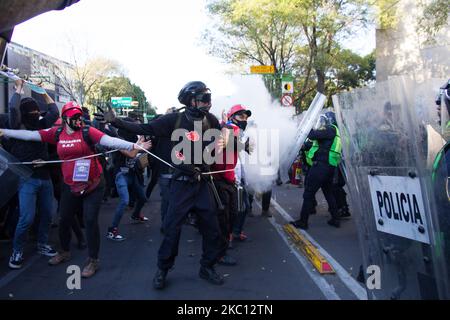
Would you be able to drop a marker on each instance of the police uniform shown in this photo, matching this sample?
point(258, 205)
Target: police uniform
point(323, 159)
point(187, 192)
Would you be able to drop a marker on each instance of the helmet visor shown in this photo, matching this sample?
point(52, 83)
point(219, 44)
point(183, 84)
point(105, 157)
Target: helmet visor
point(203, 97)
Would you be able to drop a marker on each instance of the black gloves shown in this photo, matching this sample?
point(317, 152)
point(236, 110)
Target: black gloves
point(106, 117)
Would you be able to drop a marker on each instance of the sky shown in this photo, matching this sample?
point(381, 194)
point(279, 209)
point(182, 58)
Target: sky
point(157, 42)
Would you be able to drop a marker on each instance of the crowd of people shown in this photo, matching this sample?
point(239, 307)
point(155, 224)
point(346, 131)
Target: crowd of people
point(67, 155)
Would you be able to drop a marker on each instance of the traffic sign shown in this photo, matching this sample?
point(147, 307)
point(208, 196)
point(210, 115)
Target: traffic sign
point(287, 84)
point(287, 87)
point(121, 102)
point(287, 101)
point(262, 69)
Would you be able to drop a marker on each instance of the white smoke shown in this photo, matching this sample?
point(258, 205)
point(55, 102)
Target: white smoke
point(273, 133)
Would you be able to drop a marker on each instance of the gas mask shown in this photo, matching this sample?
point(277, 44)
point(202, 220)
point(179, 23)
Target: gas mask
point(200, 112)
point(74, 122)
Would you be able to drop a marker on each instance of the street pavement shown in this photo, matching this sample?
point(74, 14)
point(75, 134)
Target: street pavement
point(268, 266)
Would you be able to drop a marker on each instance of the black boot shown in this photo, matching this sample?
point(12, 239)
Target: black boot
point(334, 222)
point(210, 274)
point(159, 280)
point(300, 224)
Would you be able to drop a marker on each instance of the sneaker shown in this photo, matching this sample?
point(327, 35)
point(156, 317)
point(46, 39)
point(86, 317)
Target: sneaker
point(334, 222)
point(113, 234)
point(140, 219)
point(91, 268)
point(46, 250)
point(16, 260)
point(159, 280)
point(226, 260)
point(61, 257)
point(300, 225)
point(210, 275)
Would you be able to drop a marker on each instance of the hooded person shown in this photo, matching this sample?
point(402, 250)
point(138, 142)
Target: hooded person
point(37, 190)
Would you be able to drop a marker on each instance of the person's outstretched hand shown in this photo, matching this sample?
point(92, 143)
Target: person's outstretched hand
point(105, 116)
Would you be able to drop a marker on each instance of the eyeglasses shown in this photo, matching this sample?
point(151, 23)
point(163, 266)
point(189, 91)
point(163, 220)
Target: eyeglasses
point(203, 97)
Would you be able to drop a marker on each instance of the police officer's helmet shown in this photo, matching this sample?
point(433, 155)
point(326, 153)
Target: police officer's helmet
point(190, 90)
point(444, 96)
point(331, 118)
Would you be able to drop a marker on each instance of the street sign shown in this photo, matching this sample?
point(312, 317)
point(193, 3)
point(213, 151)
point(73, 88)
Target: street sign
point(287, 84)
point(287, 101)
point(121, 102)
point(287, 87)
point(262, 69)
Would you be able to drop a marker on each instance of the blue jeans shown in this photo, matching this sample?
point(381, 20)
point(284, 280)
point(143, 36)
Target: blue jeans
point(164, 185)
point(33, 192)
point(125, 181)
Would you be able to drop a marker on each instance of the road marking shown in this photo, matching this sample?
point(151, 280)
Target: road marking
point(309, 250)
point(10, 276)
point(327, 289)
point(353, 285)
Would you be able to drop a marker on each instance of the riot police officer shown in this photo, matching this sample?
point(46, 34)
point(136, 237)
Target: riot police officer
point(190, 188)
point(323, 158)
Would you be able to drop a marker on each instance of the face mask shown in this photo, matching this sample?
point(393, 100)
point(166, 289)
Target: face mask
point(31, 121)
point(241, 124)
point(195, 113)
point(74, 123)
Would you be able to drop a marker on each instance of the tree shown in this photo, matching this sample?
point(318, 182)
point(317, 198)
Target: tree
point(254, 32)
point(298, 37)
point(121, 86)
point(434, 18)
point(77, 80)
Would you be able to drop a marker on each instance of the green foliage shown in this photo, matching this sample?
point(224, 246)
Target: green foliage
point(121, 86)
point(298, 37)
point(434, 18)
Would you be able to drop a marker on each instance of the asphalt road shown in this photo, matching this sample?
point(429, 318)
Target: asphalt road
point(268, 267)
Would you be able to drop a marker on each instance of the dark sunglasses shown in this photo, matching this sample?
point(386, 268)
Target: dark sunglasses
point(203, 97)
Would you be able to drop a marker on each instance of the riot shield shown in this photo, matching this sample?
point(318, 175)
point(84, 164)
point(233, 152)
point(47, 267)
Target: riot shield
point(303, 129)
point(10, 175)
point(386, 133)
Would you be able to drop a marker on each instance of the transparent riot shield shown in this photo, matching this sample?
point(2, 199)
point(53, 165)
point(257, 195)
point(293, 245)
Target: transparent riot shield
point(10, 175)
point(388, 137)
point(305, 126)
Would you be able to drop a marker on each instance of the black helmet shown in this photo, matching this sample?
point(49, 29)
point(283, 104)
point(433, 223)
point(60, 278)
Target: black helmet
point(190, 90)
point(331, 118)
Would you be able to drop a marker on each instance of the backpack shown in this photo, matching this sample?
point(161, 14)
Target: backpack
point(84, 131)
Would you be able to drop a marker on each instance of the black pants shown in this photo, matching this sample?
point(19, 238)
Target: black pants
point(338, 190)
point(153, 180)
point(90, 205)
point(188, 197)
point(320, 175)
point(227, 217)
point(266, 197)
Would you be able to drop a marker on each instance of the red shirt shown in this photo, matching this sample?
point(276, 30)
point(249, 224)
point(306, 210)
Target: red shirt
point(229, 160)
point(72, 147)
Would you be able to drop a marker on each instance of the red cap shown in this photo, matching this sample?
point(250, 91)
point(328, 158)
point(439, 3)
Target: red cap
point(70, 109)
point(237, 108)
